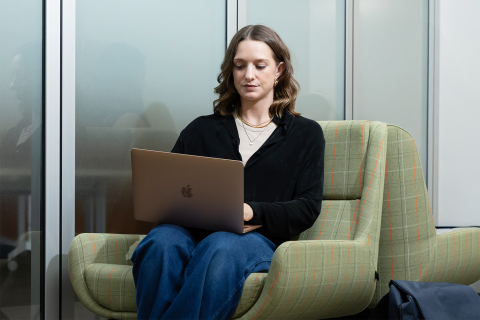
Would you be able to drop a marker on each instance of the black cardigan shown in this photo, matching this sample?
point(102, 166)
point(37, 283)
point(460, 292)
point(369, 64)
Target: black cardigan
point(283, 180)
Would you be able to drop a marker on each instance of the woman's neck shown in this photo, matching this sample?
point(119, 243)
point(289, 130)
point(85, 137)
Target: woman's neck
point(255, 112)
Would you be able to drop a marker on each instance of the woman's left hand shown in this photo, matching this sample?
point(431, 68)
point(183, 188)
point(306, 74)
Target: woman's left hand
point(247, 212)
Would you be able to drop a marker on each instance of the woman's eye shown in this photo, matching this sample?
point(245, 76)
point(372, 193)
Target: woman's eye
point(261, 67)
point(237, 66)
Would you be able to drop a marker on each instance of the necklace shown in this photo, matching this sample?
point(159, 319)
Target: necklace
point(258, 126)
point(251, 141)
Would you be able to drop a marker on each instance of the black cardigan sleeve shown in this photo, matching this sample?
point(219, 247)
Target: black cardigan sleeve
point(179, 146)
point(289, 218)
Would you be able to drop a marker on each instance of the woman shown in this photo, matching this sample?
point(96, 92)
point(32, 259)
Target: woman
point(185, 273)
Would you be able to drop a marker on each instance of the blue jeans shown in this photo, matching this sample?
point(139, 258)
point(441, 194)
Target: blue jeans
point(180, 273)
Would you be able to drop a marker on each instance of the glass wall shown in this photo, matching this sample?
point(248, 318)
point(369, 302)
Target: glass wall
point(391, 66)
point(143, 72)
point(21, 168)
point(314, 31)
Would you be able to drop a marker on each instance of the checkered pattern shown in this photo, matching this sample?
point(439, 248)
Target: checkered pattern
point(335, 222)
point(409, 247)
point(89, 254)
point(251, 291)
point(345, 148)
point(328, 272)
point(112, 286)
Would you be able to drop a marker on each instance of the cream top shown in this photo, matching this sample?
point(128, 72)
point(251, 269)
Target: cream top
point(251, 139)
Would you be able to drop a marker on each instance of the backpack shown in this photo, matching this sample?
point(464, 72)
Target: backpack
point(410, 300)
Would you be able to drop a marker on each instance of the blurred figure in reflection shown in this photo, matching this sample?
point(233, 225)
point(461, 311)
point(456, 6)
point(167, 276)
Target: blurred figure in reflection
point(26, 70)
point(20, 162)
point(22, 142)
point(117, 87)
point(112, 119)
point(113, 101)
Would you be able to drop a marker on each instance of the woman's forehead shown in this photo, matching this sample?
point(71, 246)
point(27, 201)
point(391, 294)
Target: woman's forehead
point(253, 50)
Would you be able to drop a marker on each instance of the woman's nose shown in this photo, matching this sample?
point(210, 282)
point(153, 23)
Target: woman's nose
point(250, 73)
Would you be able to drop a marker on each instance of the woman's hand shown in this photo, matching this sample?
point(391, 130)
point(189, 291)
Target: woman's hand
point(247, 212)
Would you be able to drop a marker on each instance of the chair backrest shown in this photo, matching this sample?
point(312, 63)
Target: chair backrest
point(353, 182)
point(407, 237)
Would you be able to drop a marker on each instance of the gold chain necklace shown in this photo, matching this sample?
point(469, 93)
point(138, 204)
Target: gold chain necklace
point(258, 126)
point(251, 141)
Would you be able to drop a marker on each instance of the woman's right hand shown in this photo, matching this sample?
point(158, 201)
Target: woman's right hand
point(247, 212)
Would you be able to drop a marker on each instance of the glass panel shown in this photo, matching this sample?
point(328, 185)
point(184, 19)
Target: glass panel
point(143, 72)
point(21, 168)
point(391, 66)
point(314, 31)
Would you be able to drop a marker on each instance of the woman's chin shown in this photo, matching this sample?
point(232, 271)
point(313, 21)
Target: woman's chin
point(251, 96)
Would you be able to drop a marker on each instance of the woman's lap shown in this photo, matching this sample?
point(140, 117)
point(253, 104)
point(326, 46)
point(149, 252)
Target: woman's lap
point(216, 263)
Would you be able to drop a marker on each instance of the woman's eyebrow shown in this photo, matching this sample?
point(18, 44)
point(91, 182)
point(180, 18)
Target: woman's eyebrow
point(256, 60)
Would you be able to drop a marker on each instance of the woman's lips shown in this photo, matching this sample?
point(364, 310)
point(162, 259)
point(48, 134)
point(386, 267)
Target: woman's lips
point(250, 86)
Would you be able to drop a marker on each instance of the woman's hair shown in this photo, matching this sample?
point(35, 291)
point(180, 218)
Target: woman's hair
point(285, 92)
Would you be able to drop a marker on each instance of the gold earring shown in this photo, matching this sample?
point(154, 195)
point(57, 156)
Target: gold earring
point(275, 83)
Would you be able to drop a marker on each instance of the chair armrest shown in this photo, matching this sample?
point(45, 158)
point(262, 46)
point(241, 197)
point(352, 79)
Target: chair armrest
point(456, 258)
point(88, 248)
point(316, 279)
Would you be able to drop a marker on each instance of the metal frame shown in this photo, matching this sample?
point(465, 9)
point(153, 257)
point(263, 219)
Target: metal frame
point(433, 120)
point(241, 14)
point(52, 157)
point(231, 20)
point(349, 59)
point(68, 153)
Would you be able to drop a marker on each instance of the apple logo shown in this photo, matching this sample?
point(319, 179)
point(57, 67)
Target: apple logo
point(187, 191)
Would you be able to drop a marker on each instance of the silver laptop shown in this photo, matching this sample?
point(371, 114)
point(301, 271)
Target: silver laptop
point(189, 191)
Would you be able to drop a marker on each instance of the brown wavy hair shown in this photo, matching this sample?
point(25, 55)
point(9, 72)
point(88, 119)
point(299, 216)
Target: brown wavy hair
point(285, 92)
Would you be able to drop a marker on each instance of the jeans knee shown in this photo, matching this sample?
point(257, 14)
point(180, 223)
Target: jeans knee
point(166, 237)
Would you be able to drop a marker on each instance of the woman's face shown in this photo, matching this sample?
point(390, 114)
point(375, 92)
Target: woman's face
point(255, 70)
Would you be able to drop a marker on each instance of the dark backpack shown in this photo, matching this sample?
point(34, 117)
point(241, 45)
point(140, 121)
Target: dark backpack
point(410, 300)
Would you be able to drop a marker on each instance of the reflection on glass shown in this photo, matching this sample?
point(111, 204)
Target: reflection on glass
point(20, 159)
point(142, 74)
point(314, 30)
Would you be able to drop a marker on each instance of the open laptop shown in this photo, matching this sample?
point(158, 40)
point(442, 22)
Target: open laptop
point(189, 191)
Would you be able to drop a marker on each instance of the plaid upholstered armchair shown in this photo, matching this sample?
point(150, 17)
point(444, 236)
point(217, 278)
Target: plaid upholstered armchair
point(327, 271)
point(409, 248)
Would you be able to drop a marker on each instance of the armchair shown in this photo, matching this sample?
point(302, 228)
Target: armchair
point(327, 271)
point(409, 248)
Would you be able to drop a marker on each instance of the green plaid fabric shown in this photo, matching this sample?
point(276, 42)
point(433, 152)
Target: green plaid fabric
point(251, 291)
point(409, 247)
point(345, 148)
point(88, 253)
point(112, 286)
point(337, 221)
point(328, 272)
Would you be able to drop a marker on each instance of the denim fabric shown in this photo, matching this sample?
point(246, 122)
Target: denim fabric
point(181, 273)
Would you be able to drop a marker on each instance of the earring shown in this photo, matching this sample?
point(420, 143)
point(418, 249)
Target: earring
point(275, 83)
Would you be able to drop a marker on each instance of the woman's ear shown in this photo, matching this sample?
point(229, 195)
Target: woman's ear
point(280, 68)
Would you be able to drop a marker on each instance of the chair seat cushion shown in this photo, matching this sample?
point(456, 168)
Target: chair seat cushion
point(112, 286)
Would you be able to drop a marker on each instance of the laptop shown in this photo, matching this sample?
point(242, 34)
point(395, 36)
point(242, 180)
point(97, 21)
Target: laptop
point(189, 191)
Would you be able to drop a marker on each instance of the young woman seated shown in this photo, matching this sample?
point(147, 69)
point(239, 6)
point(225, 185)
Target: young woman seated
point(185, 273)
